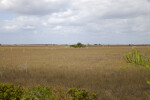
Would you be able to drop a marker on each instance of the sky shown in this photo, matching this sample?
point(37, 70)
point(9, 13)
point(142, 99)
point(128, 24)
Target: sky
point(72, 21)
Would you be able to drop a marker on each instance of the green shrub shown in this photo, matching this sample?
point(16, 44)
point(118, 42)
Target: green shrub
point(81, 94)
point(137, 58)
point(78, 45)
point(38, 93)
point(9, 92)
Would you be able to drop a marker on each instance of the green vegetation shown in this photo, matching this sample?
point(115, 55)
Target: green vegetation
point(9, 92)
point(38, 93)
point(123, 68)
point(81, 94)
point(78, 45)
point(137, 58)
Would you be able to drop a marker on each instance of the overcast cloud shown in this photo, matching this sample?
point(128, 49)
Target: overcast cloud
point(71, 21)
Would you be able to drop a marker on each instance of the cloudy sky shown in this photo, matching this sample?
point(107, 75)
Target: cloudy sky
point(72, 21)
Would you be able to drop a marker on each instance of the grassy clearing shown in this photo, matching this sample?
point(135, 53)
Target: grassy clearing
point(98, 69)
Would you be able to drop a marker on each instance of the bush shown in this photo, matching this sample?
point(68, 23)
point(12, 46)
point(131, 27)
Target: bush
point(81, 94)
point(9, 92)
point(78, 45)
point(38, 93)
point(137, 58)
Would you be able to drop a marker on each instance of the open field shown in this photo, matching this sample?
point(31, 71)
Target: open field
point(95, 68)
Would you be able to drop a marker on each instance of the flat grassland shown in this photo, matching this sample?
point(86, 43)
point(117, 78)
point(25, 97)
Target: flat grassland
point(98, 69)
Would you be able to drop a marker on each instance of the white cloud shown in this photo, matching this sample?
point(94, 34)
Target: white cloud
point(10, 27)
point(29, 27)
point(57, 27)
point(33, 7)
point(91, 20)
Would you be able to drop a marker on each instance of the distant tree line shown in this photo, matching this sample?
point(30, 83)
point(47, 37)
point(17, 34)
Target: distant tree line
point(78, 45)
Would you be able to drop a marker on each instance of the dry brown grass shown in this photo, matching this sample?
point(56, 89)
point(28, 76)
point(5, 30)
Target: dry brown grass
point(93, 68)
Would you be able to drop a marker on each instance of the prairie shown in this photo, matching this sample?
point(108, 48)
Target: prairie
point(96, 68)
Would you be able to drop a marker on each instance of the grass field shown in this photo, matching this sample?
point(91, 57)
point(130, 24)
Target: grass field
point(95, 68)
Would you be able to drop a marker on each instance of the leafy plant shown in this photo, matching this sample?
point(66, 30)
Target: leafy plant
point(38, 93)
point(137, 58)
point(81, 94)
point(9, 92)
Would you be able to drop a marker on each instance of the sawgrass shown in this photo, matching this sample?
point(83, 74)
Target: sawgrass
point(96, 68)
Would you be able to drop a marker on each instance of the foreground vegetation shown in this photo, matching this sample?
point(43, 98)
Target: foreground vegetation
point(137, 58)
point(10, 92)
point(97, 69)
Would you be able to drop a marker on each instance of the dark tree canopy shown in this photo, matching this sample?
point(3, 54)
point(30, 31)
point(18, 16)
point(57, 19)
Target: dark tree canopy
point(78, 45)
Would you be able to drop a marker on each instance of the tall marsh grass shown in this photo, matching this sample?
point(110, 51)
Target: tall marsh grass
point(96, 68)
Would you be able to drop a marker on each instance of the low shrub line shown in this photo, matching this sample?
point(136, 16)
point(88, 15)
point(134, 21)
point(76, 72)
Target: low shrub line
point(11, 92)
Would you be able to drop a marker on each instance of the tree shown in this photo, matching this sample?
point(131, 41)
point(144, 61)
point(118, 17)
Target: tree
point(78, 45)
